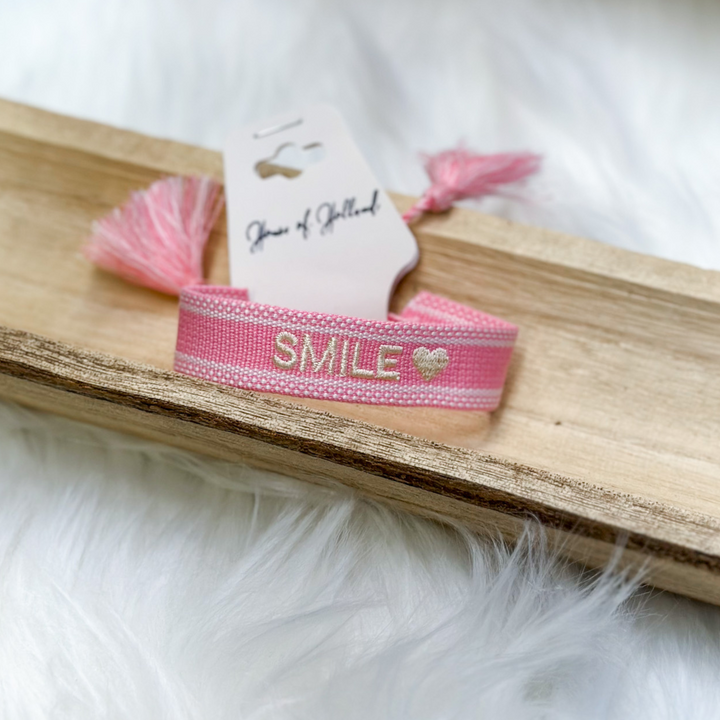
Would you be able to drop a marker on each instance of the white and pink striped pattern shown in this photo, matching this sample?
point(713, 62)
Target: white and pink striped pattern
point(436, 353)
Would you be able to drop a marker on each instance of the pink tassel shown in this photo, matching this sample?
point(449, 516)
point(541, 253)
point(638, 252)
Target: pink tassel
point(460, 174)
point(157, 239)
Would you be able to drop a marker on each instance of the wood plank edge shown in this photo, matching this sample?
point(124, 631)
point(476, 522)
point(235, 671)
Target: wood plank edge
point(665, 573)
point(564, 504)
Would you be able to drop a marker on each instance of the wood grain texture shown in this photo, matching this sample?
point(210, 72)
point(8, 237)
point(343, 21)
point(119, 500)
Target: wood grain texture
point(609, 426)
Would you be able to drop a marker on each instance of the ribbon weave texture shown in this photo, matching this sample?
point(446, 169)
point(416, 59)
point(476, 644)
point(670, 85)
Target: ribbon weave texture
point(436, 352)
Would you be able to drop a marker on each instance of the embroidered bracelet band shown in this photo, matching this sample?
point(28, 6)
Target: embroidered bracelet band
point(436, 352)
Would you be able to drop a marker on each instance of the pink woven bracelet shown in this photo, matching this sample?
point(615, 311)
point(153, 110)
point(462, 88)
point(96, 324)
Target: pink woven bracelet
point(436, 352)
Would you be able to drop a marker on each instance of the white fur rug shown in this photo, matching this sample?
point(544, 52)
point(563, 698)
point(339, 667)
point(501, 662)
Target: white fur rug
point(138, 582)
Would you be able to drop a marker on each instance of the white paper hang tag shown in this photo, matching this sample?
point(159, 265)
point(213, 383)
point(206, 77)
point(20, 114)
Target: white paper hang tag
point(309, 226)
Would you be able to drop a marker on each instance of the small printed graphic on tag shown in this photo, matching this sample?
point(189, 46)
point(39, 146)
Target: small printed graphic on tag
point(309, 226)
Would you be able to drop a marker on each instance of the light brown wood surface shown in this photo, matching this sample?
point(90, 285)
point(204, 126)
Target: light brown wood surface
point(611, 418)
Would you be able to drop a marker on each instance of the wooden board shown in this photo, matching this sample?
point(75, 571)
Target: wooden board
point(610, 422)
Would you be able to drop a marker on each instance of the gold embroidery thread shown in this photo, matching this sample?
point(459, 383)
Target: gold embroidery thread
point(293, 353)
point(355, 370)
point(386, 364)
point(430, 363)
point(284, 343)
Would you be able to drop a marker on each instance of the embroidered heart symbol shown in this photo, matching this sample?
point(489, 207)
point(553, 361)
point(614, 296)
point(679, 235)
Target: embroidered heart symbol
point(430, 364)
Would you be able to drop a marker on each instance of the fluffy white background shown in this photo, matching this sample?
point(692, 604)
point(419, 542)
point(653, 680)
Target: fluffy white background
point(132, 586)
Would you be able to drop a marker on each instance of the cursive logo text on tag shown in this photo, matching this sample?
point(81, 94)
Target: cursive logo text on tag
point(327, 214)
point(257, 231)
point(324, 217)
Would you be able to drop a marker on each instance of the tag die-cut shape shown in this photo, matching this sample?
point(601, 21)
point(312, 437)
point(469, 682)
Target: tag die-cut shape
point(325, 239)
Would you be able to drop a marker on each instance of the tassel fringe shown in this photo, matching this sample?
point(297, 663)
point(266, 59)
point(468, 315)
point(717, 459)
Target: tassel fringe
point(157, 239)
point(459, 174)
